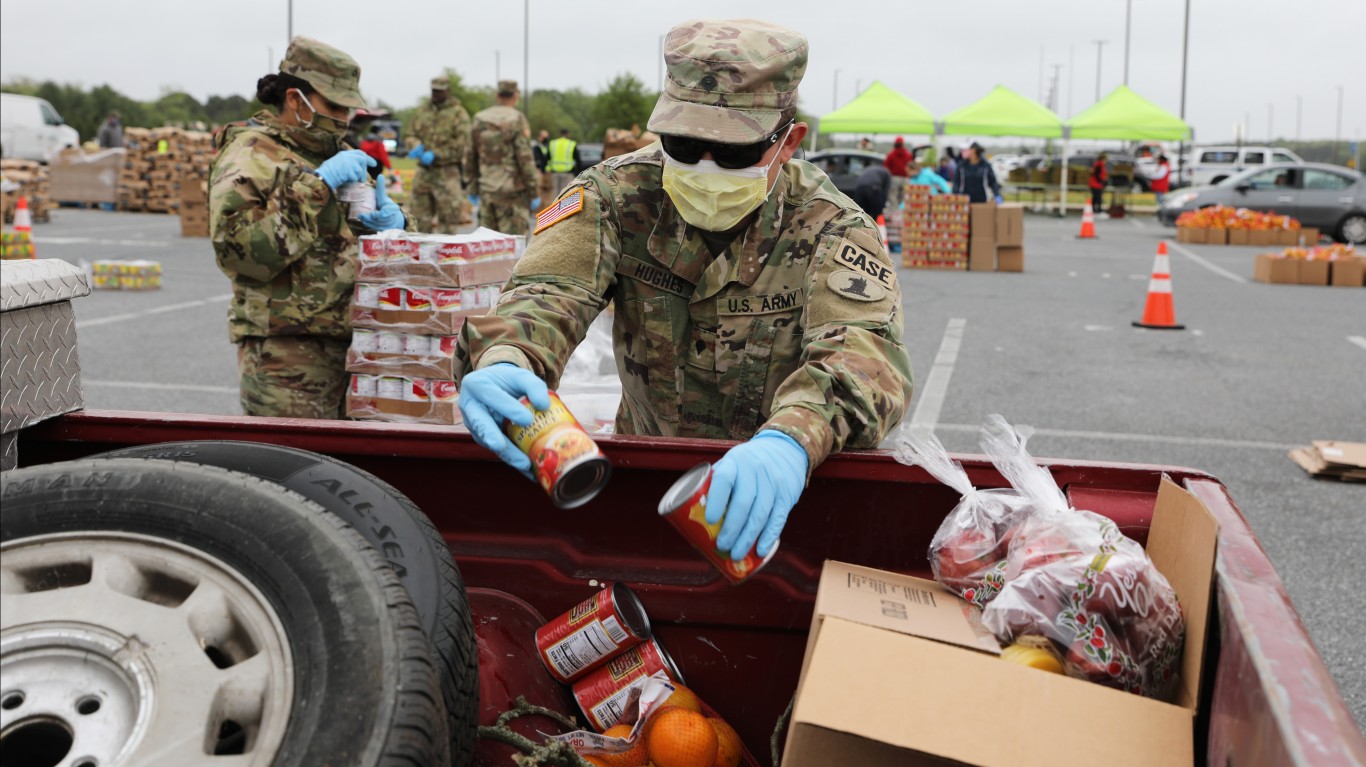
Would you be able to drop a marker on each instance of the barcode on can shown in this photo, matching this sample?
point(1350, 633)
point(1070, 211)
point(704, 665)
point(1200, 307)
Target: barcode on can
point(590, 643)
point(609, 711)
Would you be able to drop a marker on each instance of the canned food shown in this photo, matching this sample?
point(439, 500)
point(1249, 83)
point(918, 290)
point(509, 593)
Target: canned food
point(416, 390)
point(389, 343)
point(442, 346)
point(391, 297)
point(359, 198)
point(364, 341)
point(367, 295)
point(566, 461)
point(390, 387)
point(446, 299)
point(591, 632)
point(364, 386)
point(685, 506)
point(418, 299)
point(419, 346)
point(602, 694)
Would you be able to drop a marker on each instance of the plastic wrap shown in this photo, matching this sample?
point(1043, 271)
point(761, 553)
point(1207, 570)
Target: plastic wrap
point(481, 257)
point(403, 307)
point(1074, 579)
point(590, 386)
point(968, 552)
point(388, 353)
point(402, 399)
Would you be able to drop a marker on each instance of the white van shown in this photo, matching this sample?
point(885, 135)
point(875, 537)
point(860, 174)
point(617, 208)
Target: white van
point(30, 129)
point(1212, 164)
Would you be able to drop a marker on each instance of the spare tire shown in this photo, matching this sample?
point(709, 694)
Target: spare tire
point(156, 612)
point(397, 529)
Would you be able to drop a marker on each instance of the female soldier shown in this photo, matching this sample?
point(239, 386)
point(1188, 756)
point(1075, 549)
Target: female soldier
point(284, 240)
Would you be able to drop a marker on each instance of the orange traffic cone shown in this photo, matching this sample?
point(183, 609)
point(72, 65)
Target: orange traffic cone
point(23, 221)
point(882, 228)
point(1088, 224)
point(1159, 313)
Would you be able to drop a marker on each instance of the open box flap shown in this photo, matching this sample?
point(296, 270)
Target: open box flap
point(1182, 542)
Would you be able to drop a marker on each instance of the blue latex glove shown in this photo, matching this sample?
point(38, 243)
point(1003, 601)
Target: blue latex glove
point(755, 485)
point(490, 395)
point(416, 152)
point(345, 167)
point(386, 215)
point(999, 200)
point(427, 158)
point(474, 199)
point(536, 204)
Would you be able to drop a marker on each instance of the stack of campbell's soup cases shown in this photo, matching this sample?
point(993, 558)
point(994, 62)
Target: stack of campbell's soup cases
point(412, 297)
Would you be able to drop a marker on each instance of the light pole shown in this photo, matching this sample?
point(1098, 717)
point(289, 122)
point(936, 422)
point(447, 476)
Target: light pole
point(1100, 46)
point(289, 24)
point(526, 55)
point(1299, 110)
point(1270, 117)
point(835, 99)
point(661, 63)
point(1128, 18)
point(1337, 137)
point(1185, 51)
point(1071, 76)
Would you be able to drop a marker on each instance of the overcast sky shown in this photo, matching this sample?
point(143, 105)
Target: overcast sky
point(1244, 57)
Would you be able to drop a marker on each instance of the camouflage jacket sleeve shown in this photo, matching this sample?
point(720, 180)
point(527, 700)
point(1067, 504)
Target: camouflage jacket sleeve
point(449, 134)
point(855, 377)
point(263, 211)
point(470, 164)
point(560, 286)
point(526, 160)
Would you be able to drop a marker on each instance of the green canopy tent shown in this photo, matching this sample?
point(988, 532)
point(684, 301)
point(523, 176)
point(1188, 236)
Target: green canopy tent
point(1003, 112)
point(1122, 115)
point(879, 109)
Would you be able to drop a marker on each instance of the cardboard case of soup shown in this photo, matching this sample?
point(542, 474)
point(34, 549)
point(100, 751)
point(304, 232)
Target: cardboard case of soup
point(897, 673)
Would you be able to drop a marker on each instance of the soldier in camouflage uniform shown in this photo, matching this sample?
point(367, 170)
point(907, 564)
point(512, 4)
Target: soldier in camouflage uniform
point(280, 234)
point(442, 126)
point(502, 169)
point(753, 301)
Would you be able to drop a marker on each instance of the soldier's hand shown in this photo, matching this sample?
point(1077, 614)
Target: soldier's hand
point(386, 215)
point(345, 167)
point(491, 395)
point(755, 485)
point(416, 152)
point(427, 158)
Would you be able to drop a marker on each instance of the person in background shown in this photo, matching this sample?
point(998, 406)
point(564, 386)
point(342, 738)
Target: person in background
point(564, 158)
point(975, 178)
point(373, 145)
point(110, 134)
point(895, 162)
point(919, 174)
point(442, 128)
point(540, 152)
point(1097, 180)
point(948, 166)
point(499, 165)
point(1161, 180)
point(284, 239)
point(866, 144)
point(871, 191)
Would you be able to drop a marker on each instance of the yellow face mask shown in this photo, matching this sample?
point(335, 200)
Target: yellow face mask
point(713, 198)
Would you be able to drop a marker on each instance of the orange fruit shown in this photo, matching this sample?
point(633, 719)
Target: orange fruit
point(681, 738)
point(596, 761)
point(683, 698)
point(634, 758)
point(728, 746)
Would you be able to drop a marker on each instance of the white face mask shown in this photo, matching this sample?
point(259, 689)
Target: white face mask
point(713, 198)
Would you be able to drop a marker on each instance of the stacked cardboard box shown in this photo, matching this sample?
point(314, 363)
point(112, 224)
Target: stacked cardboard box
point(85, 177)
point(193, 207)
point(132, 194)
point(1336, 265)
point(934, 230)
point(412, 298)
point(1010, 238)
point(157, 163)
point(32, 179)
point(982, 237)
point(15, 246)
point(126, 275)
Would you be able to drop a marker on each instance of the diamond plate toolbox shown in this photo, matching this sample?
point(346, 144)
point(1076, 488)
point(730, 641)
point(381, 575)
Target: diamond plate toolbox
point(40, 375)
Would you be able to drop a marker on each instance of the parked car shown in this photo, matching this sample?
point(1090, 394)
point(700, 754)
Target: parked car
point(30, 129)
point(1330, 198)
point(1212, 164)
point(843, 166)
point(589, 155)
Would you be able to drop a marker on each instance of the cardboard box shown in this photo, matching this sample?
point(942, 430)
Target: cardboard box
point(1285, 237)
point(86, 178)
point(895, 674)
point(1348, 273)
point(1259, 237)
point(1308, 237)
point(982, 255)
point(1190, 234)
point(1010, 259)
point(983, 221)
point(1010, 225)
point(1216, 236)
point(1239, 237)
point(1273, 269)
point(376, 409)
point(1312, 272)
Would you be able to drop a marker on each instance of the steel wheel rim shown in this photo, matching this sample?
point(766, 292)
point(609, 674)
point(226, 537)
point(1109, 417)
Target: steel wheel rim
point(1354, 229)
point(135, 650)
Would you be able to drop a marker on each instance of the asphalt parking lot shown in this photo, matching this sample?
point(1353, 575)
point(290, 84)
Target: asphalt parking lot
point(1259, 369)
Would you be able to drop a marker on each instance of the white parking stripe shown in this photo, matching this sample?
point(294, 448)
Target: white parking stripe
point(1219, 270)
point(158, 386)
point(937, 383)
point(1358, 340)
point(1129, 437)
point(110, 320)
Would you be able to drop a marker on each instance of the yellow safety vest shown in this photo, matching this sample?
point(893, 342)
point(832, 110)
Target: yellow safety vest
point(561, 156)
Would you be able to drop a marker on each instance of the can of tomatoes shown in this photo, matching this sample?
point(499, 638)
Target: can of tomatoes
point(591, 632)
point(566, 461)
point(602, 694)
point(685, 506)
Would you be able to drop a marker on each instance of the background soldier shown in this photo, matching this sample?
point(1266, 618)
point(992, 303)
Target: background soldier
point(753, 301)
point(280, 234)
point(501, 168)
point(442, 127)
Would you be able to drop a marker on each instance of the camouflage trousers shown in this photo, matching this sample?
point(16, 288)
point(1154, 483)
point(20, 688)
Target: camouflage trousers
point(438, 200)
point(506, 213)
point(293, 376)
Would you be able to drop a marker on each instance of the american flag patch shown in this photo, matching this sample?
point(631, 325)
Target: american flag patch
point(561, 209)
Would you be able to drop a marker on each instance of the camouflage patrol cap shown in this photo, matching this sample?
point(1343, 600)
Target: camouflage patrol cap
point(507, 86)
point(441, 84)
point(333, 74)
point(728, 81)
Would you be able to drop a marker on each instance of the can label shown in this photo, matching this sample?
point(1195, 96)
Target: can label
point(364, 386)
point(685, 506)
point(442, 391)
point(442, 346)
point(367, 296)
point(566, 461)
point(418, 346)
point(364, 341)
point(390, 387)
point(391, 297)
point(389, 343)
point(418, 299)
point(445, 299)
point(416, 390)
point(602, 693)
point(592, 632)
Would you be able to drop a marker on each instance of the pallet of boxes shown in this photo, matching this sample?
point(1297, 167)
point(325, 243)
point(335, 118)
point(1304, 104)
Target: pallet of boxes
point(33, 185)
point(1337, 265)
point(412, 296)
point(934, 231)
point(132, 194)
point(194, 206)
point(1222, 225)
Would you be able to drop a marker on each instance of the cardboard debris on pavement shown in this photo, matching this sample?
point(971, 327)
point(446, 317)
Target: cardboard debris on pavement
point(1338, 460)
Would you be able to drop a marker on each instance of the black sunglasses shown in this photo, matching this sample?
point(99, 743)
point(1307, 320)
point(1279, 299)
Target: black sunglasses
point(729, 156)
